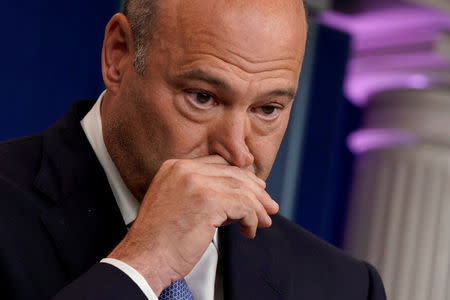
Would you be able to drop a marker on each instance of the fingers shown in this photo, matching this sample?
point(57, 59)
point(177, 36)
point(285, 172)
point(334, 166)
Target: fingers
point(231, 171)
point(249, 199)
point(211, 159)
point(256, 202)
point(239, 204)
point(244, 179)
point(242, 210)
point(222, 165)
point(215, 165)
point(239, 193)
point(248, 225)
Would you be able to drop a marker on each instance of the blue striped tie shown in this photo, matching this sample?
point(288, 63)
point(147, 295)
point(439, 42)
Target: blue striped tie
point(178, 290)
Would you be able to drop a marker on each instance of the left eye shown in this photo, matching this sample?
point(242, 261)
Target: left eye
point(268, 109)
point(268, 112)
point(201, 99)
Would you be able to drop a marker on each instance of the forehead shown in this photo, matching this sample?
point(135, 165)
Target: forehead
point(255, 36)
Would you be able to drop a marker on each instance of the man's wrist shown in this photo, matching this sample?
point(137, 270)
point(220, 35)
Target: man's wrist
point(148, 266)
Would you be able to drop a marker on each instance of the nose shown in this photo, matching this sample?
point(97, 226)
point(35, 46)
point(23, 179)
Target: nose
point(229, 138)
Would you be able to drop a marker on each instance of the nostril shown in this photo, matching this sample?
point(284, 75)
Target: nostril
point(243, 159)
point(250, 159)
point(232, 147)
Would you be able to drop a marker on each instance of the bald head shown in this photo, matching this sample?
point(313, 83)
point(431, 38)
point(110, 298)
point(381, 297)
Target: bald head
point(142, 15)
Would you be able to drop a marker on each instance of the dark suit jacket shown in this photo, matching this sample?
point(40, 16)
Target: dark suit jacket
point(58, 218)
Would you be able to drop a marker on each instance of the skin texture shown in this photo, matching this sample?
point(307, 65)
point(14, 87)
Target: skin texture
point(196, 136)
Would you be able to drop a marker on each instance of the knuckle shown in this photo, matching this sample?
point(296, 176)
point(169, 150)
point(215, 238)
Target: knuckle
point(191, 181)
point(262, 196)
point(235, 184)
point(202, 196)
point(182, 167)
point(179, 165)
point(168, 163)
point(252, 220)
point(246, 206)
point(242, 172)
point(247, 197)
point(238, 171)
point(260, 209)
point(246, 172)
point(255, 218)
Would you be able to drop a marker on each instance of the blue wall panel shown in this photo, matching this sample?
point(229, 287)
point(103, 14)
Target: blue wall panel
point(325, 172)
point(50, 58)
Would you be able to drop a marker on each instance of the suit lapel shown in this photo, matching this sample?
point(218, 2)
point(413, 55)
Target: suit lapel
point(83, 219)
point(247, 266)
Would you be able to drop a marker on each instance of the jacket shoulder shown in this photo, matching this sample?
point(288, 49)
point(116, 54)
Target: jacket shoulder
point(20, 160)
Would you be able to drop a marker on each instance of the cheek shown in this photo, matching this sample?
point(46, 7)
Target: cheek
point(184, 138)
point(265, 149)
point(179, 136)
point(187, 140)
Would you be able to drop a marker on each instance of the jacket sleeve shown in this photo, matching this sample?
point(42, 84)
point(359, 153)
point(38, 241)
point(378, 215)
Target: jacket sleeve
point(376, 288)
point(102, 281)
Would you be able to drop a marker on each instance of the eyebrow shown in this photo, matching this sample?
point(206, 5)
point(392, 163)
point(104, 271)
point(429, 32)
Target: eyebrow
point(288, 93)
point(201, 75)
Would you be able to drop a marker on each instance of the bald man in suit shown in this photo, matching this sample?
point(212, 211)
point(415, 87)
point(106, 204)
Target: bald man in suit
point(158, 187)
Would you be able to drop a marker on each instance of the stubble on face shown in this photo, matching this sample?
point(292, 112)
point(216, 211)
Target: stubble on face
point(253, 47)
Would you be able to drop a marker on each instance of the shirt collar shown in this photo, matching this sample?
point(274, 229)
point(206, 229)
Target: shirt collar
point(92, 126)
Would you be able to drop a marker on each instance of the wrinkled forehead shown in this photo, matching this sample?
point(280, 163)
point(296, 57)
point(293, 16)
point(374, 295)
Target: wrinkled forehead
point(263, 30)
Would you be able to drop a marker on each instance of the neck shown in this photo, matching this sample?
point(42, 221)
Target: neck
point(116, 142)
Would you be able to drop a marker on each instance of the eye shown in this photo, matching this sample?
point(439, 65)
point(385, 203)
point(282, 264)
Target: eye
point(201, 99)
point(268, 109)
point(268, 112)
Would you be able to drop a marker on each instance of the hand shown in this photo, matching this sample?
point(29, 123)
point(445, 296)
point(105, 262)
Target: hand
point(185, 203)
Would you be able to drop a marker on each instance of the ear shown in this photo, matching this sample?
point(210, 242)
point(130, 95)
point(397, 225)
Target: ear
point(117, 52)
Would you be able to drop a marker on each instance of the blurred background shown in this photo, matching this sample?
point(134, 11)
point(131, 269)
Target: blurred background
point(365, 163)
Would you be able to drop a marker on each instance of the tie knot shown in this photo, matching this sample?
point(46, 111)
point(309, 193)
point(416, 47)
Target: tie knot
point(179, 290)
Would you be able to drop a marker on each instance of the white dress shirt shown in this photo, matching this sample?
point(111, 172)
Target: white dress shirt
point(201, 280)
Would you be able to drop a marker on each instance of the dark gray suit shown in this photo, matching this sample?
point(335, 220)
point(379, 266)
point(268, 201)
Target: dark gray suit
point(59, 218)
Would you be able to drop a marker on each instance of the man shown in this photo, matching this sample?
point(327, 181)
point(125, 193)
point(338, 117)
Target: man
point(198, 96)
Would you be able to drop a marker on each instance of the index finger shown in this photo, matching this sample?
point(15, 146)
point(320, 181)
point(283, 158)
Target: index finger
point(219, 160)
point(212, 159)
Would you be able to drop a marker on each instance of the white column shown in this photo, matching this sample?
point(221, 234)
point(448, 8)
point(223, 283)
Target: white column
point(399, 217)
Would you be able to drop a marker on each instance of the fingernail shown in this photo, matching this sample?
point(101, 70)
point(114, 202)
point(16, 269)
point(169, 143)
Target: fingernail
point(275, 204)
